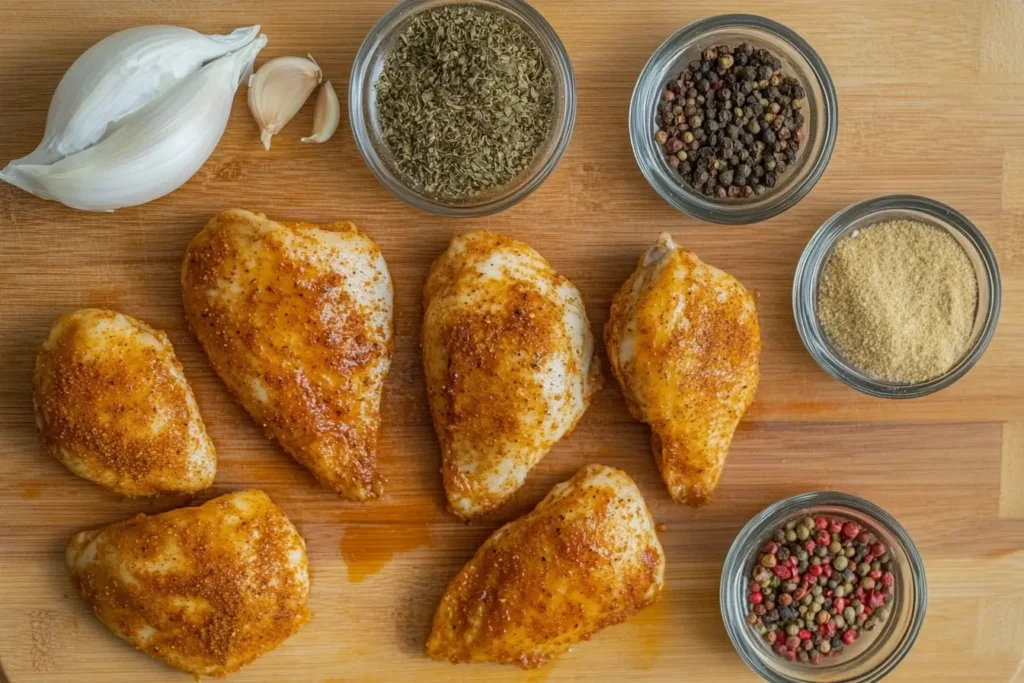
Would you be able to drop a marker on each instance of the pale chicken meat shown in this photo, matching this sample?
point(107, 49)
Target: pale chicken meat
point(297, 320)
point(206, 589)
point(684, 343)
point(509, 361)
point(587, 557)
point(113, 405)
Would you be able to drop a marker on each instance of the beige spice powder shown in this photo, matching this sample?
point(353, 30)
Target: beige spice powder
point(898, 300)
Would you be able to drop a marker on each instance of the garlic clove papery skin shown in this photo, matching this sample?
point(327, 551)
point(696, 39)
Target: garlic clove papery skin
point(278, 90)
point(118, 76)
point(326, 116)
point(150, 153)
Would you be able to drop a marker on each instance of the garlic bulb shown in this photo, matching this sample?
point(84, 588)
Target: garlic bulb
point(278, 90)
point(326, 116)
point(118, 76)
point(151, 152)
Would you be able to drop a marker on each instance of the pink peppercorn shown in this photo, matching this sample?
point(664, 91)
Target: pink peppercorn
point(823, 538)
point(851, 529)
point(771, 547)
point(888, 578)
point(756, 598)
point(810, 545)
point(838, 603)
point(816, 659)
point(782, 572)
point(835, 526)
point(875, 574)
point(791, 655)
point(828, 570)
point(815, 570)
point(878, 549)
point(820, 523)
point(849, 635)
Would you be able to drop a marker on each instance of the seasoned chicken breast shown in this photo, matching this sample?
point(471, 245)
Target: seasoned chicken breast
point(113, 405)
point(297, 321)
point(587, 557)
point(206, 589)
point(684, 342)
point(509, 362)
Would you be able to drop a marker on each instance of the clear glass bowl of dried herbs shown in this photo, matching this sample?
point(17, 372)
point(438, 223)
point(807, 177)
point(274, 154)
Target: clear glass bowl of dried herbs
point(462, 108)
point(897, 296)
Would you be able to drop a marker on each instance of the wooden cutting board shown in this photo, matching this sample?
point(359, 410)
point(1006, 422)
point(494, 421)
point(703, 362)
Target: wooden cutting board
point(931, 102)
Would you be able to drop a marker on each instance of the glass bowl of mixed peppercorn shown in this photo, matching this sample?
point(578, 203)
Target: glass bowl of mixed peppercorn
point(823, 586)
point(734, 119)
point(460, 107)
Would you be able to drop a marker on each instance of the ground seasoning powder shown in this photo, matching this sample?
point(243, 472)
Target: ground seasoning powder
point(898, 300)
point(464, 101)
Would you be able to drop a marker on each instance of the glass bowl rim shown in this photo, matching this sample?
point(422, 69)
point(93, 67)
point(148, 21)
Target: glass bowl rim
point(564, 117)
point(745, 544)
point(705, 209)
point(811, 265)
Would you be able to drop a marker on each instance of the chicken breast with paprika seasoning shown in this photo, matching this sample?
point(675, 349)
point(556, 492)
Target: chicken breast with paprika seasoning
point(587, 557)
point(113, 405)
point(206, 589)
point(296, 319)
point(509, 361)
point(684, 342)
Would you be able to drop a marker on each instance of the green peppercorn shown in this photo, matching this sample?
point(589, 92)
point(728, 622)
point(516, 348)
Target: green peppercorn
point(840, 620)
point(792, 630)
point(834, 547)
point(751, 618)
point(882, 613)
point(802, 555)
point(661, 137)
point(848, 588)
point(840, 591)
point(768, 561)
point(850, 613)
point(825, 647)
point(868, 584)
point(823, 617)
point(801, 531)
point(850, 552)
point(839, 563)
point(858, 609)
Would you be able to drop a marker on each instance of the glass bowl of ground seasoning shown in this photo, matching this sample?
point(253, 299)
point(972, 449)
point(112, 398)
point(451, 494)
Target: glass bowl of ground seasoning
point(462, 108)
point(823, 586)
point(897, 296)
point(734, 119)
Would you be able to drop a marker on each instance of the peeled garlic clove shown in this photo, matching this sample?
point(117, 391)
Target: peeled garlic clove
point(278, 90)
point(326, 116)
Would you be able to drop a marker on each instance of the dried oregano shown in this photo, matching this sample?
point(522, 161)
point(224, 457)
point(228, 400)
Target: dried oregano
point(464, 101)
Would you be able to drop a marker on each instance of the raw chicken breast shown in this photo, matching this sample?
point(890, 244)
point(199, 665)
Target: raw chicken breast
point(296, 319)
point(587, 557)
point(206, 589)
point(509, 362)
point(113, 405)
point(684, 342)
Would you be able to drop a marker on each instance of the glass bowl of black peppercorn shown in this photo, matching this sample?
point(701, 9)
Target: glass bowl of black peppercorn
point(733, 119)
point(823, 587)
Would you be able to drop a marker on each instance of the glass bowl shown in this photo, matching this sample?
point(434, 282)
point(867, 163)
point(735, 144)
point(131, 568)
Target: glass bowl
point(877, 652)
point(892, 207)
point(819, 129)
point(367, 67)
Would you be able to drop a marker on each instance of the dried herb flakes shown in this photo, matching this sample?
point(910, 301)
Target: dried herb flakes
point(464, 101)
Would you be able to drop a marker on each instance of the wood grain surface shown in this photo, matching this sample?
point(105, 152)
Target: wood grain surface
point(931, 99)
